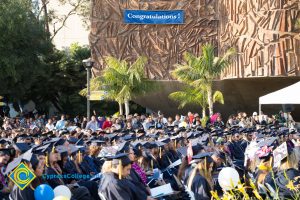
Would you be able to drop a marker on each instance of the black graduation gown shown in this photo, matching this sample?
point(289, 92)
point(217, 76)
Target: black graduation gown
point(173, 155)
point(18, 194)
point(164, 161)
point(88, 166)
point(217, 186)
point(114, 189)
point(236, 150)
point(244, 144)
point(70, 168)
point(281, 181)
point(201, 188)
point(78, 193)
point(140, 190)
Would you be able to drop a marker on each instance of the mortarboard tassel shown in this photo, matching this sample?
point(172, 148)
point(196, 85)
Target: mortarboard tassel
point(159, 152)
point(53, 149)
point(120, 169)
point(175, 145)
point(79, 157)
point(152, 164)
point(46, 160)
point(205, 166)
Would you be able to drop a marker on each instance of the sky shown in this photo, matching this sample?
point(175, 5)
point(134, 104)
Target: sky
point(74, 30)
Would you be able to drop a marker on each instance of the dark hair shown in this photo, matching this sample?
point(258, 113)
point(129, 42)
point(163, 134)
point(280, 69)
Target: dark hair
point(34, 162)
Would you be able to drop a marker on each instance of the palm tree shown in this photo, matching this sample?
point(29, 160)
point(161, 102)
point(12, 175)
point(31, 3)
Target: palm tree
point(200, 72)
point(192, 95)
point(123, 81)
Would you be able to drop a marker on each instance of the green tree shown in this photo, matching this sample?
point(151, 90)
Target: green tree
point(199, 72)
point(23, 44)
point(192, 95)
point(123, 81)
point(64, 77)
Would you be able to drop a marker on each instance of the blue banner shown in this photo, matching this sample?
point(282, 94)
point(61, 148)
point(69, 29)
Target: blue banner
point(153, 17)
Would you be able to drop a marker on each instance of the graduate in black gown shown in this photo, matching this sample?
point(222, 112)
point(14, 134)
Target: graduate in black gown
point(288, 174)
point(114, 185)
point(90, 164)
point(72, 166)
point(200, 180)
point(28, 193)
point(142, 190)
point(235, 148)
point(53, 169)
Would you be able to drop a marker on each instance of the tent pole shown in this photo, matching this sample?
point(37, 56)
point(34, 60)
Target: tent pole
point(259, 109)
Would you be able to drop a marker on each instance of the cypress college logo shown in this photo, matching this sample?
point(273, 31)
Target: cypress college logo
point(22, 176)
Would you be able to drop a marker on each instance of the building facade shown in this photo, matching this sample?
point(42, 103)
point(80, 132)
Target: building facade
point(265, 33)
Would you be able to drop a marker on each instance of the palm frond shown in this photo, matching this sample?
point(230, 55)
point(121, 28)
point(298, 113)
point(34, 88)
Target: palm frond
point(189, 96)
point(218, 97)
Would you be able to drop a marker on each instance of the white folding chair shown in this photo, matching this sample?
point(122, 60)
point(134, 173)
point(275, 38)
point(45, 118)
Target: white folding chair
point(273, 193)
point(190, 192)
point(102, 197)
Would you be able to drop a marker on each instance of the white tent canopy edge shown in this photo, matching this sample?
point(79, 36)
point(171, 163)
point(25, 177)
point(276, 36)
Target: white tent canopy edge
point(287, 95)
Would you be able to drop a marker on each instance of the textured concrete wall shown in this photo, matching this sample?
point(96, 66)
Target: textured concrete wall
point(162, 44)
point(265, 34)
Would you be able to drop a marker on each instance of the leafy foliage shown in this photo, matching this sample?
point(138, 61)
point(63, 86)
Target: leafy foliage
point(199, 72)
point(123, 81)
point(23, 44)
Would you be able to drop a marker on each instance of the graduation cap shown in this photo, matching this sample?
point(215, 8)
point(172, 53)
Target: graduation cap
point(123, 147)
point(199, 157)
point(7, 151)
point(148, 145)
point(97, 142)
point(220, 154)
point(182, 151)
point(120, 159)
point(190, 135)
point(165, 140)
point(62, 150)
point(80, 142)
point(5, 141)
point(55, 141)
point(111, 136)
point(28, 156)
point(41, 150)
point(128, 137)
point(151, 127)
point(72, 140)
point(22, 147)
point(136, 145)
point(271, 141)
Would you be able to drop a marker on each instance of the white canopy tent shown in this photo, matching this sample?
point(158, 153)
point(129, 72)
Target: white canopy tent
point(287, 95)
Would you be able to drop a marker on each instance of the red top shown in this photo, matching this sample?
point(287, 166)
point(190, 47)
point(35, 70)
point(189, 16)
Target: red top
point(106, 124)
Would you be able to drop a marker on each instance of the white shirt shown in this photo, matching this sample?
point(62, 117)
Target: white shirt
point(50, 127)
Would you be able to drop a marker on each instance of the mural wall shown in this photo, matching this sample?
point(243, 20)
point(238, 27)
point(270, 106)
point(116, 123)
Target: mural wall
point(162, 44)
point(264, 32)
point(266, 35)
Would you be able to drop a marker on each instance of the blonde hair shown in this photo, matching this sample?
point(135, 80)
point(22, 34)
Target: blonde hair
point(203, 168)
point(291, 161)
point(107, 166)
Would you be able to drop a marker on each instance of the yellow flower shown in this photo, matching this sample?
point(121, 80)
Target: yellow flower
point(252, 185)
point(242, 190)
point(215, 195)
point(227, 196)
point(257, 195)
point(290, 185)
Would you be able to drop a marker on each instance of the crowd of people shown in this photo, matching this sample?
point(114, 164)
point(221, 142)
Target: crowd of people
point(121, 156)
